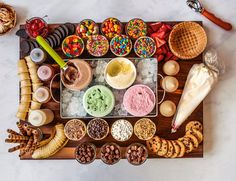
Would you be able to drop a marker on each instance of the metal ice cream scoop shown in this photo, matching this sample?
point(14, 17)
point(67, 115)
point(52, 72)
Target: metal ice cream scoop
point(197, 6)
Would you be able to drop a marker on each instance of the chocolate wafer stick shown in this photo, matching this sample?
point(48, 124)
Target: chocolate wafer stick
point(12, 132)
point(29, 144)
point(29, 131)
point(16, 148)
point(15, 141)
point(17, 137)
point(19, 125)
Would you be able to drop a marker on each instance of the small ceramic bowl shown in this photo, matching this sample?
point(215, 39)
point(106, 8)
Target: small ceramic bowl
point(13, 23)
point(72, 46)
point(111, 27)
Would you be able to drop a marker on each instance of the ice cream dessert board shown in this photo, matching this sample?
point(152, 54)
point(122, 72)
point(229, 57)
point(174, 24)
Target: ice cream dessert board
point(122, 102)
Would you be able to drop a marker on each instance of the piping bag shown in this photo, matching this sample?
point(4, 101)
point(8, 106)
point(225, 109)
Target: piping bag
point(69, 72)
point(200, 81)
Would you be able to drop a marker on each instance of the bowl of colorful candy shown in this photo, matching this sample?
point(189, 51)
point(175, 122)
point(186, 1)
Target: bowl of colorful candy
point(136, 28)
point(97, 45)
point(36, 26)
point(111, 27)
point(73, 46)
point(121, 45)
point(87, 28)
point(144, 47)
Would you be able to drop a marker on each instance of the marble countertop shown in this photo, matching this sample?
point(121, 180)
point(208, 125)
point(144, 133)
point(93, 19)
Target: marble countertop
point(219, 160)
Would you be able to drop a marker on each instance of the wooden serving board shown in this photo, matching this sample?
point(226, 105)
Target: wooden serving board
point(163, 124)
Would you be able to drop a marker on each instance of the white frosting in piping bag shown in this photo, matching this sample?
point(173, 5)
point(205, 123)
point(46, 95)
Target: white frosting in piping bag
point(199, 82)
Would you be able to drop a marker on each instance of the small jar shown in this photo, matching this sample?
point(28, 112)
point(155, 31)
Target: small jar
point(97, 129)
point(38, 56)
point(42, 94)
point(46, 72)
point(85, 153)
point(110, 153)
point(136, 154)
point(41, 117)
point(36, 26)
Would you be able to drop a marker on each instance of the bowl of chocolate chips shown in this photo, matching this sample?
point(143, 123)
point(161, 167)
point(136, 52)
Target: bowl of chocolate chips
point(85, 153)
point(136, 154)
point(110, 153)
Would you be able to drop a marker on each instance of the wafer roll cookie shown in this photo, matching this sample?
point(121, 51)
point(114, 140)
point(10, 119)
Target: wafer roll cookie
point(33, 70)
point(25, 83)
point(35, 78)
point(20, 127)
point(18, 137)
point(35, 105)
point(22, 69)
point(16, 148)
point(10, 131)
point(29, 144)
point(36, 86)
point(21, 115)
point(24, 76)
point(21, 63)
point(24, 107)
point(26, 91)
point(25, 98)
point(15, 141)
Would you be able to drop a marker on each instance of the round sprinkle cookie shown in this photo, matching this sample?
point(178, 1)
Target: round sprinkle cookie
point(73, 46)
point(120, 45)
point(97, 45)
point(144, 47)
point(136, 28)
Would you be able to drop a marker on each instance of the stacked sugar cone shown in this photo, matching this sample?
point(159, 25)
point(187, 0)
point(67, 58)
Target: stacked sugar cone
point(27, 139)
point(29, 82)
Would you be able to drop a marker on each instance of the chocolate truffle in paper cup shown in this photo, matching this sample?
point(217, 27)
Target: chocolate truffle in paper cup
point(97, 45)
point(73, 46)
point(120, 45)
point(136, 28)
point(87, 28)
point(111, 27)
point(145, 47)
point(98, 101)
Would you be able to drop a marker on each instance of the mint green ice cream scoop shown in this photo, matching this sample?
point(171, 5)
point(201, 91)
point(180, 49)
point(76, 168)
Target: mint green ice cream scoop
point(98, 101)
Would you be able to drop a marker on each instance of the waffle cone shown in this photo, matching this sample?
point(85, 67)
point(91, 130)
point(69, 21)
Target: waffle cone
point(187, 40)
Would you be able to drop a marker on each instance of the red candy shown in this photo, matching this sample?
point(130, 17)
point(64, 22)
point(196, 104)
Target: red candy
point(36, 26)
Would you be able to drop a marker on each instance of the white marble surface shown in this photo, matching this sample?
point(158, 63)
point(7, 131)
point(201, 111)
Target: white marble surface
point(219, 161)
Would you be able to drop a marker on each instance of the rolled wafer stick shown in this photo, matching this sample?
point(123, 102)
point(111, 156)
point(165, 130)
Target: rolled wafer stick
point(17, 137)
point(16, 147)
point(20, 126)
point(15, 141)
point(22, 69)
point(25, 98)
point(12, 132)
point(24, 107)
point(29, 144)
point(36, 86)
point(29, 131)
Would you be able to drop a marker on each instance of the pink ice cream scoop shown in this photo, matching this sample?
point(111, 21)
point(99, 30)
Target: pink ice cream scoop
point(139, 100)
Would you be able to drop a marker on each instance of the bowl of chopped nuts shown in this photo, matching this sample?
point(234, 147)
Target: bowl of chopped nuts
point(7, 18)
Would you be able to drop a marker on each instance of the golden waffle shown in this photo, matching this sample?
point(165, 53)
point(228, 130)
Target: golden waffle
point(187, 40)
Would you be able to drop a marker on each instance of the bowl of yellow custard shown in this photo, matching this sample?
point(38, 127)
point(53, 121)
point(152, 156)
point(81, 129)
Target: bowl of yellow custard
point(120, 73)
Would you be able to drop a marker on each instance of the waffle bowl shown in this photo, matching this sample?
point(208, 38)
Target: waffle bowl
point(9, 20)
point(187, 40)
